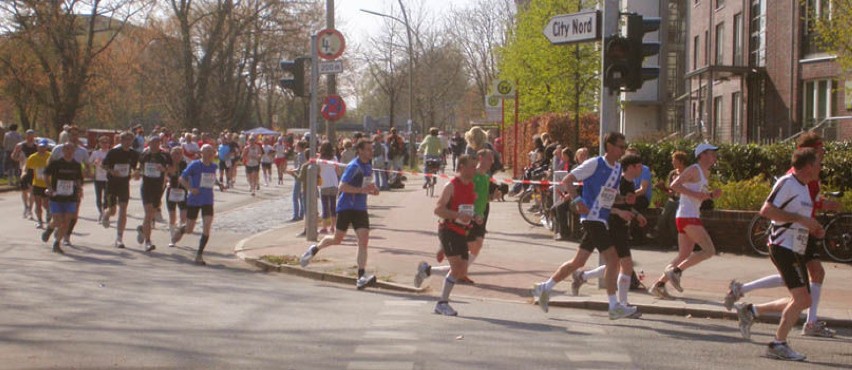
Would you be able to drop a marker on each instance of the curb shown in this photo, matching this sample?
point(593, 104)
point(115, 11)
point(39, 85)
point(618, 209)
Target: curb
point(686, 311)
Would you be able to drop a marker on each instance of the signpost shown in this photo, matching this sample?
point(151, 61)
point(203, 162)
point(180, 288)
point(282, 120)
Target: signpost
point(333, 108)
point(571, 28)
point(331, 67)
point(493, 109)
point(330, 44)
point(503, 89)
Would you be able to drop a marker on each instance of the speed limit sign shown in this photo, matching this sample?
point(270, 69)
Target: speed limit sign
point(330, 44)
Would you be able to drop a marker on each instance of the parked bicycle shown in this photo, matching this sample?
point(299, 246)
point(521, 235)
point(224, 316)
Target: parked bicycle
point(837, 243)
point(535, 202)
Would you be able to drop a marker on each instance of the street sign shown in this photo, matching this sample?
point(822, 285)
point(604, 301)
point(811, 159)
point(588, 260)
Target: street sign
point(493, 109)
point(331, 67)
point(571, 28)
point(503, 89)
point(493, 102)
point(333, 108)
point(330, 44)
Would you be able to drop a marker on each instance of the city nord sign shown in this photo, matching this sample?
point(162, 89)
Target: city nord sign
point(571, 28)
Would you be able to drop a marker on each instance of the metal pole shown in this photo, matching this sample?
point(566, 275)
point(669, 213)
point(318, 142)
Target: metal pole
point(608, 99)
point(413, 154)
point(311, 191)
point(515, 170)
point(331, 80)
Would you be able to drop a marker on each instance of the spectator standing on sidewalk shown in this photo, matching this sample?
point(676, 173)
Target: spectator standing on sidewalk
point(694, 188)
point(12, 166)
point(329, 181)
point(457, 147)
point(665, 232)
point(396, 153)
point(380, 162)
point(355, 184)
point(790, 208)
point(601, 177)
point(298, 198)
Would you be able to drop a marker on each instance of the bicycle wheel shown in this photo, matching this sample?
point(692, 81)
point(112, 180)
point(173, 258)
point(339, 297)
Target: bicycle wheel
point(547, 216)
point(758, 235)
point(838, 238)
point(528, 208)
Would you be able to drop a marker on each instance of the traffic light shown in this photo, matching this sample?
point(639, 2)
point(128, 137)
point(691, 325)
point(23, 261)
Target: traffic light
point(616, 63)
point(297, 69)
point(638, 50)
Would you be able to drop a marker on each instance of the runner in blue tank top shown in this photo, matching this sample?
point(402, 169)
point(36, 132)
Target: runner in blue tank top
point(601, 178)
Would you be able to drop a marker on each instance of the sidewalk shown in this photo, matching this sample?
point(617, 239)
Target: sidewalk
point(516, 255)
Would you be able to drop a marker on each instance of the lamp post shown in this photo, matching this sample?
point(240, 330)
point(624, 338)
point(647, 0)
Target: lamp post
point(413, 151)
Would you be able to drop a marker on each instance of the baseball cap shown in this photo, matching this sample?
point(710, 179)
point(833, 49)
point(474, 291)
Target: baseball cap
point(704, 147)
point(43, 142)
point(30, 132)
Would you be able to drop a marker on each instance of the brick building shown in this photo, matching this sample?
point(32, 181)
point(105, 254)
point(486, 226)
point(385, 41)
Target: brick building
point(756, 73)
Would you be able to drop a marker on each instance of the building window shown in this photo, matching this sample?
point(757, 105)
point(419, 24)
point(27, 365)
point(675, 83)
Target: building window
point(738, 39)
point(720, 43)
point(695, 45)
point(707, 47)
point(720, 3)
point(736, 117)
point(717, 117)
point(818, 105)
point(757, 46)
point(815, 11)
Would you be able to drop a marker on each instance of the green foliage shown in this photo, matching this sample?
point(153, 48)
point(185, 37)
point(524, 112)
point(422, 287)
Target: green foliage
point(745, 195)
point(548, 74)
point(835, 33)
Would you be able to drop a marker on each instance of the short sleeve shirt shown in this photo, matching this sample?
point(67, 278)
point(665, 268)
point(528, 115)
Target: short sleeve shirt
point(202, 177)
point(65, 177)
point(790, 195)
point(121, 161)
point(354, 175)
point(38, 163)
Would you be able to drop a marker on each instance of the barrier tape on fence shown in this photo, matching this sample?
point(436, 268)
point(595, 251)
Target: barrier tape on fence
point(507, 180)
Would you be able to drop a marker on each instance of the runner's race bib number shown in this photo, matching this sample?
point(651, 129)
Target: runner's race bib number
point(465, 209)
point(123, 169)
point(606, 198)
point(208, 180)
point(64, 188)
point(368, 180)
point(177, 195)
point(100, 174)
point(800, 241)
point(40, 173)
point(152, 170)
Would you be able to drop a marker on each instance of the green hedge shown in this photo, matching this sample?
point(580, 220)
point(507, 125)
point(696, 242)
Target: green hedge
point(744, 172)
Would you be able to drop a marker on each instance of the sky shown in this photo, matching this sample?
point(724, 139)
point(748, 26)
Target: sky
point(357, 26)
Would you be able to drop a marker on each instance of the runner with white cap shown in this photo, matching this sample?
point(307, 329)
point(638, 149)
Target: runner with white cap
point(694, 188)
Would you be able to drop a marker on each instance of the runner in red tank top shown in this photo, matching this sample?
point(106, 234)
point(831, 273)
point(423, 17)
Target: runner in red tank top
point(455, 208)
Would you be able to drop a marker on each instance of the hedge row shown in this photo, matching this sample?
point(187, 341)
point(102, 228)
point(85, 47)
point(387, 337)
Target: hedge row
point(745, 162)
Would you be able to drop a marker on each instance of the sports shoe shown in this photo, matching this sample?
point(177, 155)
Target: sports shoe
point(782, 351)
point(365, 280)
point(542, 295)
point(620, 312)
point(140, 235)
point(443, 308)
point(119, 244)
point(45, 236)
point(39, 225)
point(674, 278)
point(67, 243)
point(171, 245)
point(422, 274)
point(660, 292)
point(149, 247)
point(746, 319)
point(817, 329)
point(307, 256)
point(178, 234)
point(56, 248)
point(576, 282)
point(734, 293)
point(105, 221)
point(199, 260)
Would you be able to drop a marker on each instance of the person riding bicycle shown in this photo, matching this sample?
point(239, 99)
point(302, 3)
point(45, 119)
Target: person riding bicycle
point(432, 149)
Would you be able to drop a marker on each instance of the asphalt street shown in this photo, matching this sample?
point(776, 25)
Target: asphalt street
point(101, 307)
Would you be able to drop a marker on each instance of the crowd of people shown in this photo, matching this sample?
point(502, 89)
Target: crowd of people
point(614, 193)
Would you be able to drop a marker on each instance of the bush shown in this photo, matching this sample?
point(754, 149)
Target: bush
point(747, 195)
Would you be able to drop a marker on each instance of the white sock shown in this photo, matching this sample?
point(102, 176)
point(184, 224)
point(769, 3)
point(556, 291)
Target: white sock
point(449, 283)
point(470, 259)
point(773, 281)
point(548, 285)
point(597, 272)
point(440, 270)
point(812, 311)
point(613, 302)
point(623, 288)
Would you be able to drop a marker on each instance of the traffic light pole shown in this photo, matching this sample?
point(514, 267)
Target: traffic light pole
point(609, 99)
point(310, 190)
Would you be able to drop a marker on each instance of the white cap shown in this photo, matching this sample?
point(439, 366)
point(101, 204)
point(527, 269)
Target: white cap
point(703, 147)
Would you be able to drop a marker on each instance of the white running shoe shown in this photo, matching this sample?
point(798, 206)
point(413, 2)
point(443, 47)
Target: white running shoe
point(119, 244)
point(817, 329)
point(660, 292)
point(422, 274)
point(541, 295)
point(576, 282)
point(365, 280)
point(307, 256)
point(745, 318)
point(443, 308)
point(620, 312)
point(735, 292)
point(782, 351)
point(674, 278)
